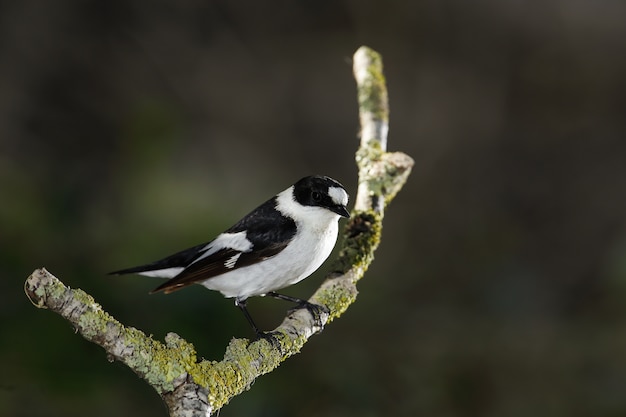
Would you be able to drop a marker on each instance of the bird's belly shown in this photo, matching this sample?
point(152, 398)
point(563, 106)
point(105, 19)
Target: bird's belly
point(303, 256)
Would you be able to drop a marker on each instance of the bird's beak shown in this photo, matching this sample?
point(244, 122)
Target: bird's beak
point(341, 210)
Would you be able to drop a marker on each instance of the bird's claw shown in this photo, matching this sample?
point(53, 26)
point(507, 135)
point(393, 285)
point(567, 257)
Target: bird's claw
point(271, 337)
point(318, 311)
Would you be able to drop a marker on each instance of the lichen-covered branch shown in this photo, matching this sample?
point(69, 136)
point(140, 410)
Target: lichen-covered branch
point(381, 174)
point(198, 388)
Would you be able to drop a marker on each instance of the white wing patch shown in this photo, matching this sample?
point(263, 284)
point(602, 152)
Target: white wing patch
point(338, 195)
point(237, 241)
point(230, 262)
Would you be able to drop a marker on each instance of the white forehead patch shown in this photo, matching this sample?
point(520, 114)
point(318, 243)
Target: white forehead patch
point(338, 195)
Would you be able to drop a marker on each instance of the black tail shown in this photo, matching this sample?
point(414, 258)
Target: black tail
point(178, 260)
point(134, 270)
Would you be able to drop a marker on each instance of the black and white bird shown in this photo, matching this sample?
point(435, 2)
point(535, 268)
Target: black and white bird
point(278, 244)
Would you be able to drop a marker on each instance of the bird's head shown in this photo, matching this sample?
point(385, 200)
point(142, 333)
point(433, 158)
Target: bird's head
point(321, 191)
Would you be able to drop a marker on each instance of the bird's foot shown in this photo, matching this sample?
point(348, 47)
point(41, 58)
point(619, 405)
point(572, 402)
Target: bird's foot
point(271, 337)
point(318, 311)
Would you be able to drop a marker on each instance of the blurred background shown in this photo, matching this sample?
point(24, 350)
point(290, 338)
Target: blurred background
point(133, 129)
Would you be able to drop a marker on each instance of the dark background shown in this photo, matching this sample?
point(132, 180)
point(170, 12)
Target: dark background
point(132, 129)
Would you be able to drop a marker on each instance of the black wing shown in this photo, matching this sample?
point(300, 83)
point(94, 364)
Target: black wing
point(267, 230)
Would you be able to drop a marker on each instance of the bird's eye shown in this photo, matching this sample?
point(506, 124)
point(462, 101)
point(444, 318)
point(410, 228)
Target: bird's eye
point(317, 197)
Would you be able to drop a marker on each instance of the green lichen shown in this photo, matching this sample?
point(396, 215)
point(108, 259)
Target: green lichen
point(366, 155)
point(93, 321)
point(56, 291)
point(40, 292)
point(243, 362)
point(397, 167)
point(337, 299)
point(372, 92)
point(159, 364)
point(361, 238)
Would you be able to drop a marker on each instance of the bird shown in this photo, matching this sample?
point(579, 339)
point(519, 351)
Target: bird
point(278, 244)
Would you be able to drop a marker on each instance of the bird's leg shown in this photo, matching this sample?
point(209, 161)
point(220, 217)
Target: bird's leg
point(316, 310)
point(242, 303)
point(269, 336)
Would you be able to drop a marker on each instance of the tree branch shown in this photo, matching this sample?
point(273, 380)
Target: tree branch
point(198, 388)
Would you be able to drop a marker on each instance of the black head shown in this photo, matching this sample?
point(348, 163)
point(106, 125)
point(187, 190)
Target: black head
point(321, 191)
